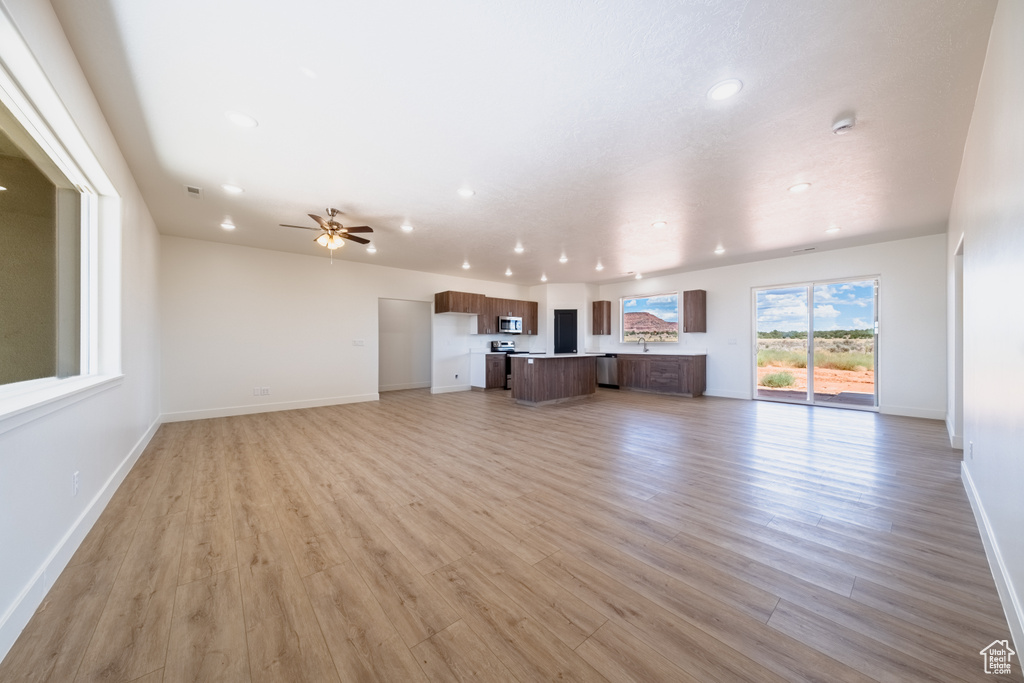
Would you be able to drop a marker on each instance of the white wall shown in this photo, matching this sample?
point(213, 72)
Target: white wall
point(912, 343)
point(404, 350)
point(563, 296)
point(236, 318)
point(41, 524)
point(988, 209)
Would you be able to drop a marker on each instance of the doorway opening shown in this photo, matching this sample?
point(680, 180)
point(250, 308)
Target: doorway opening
point(565, 331)
point(817, 343)
point(404, 348)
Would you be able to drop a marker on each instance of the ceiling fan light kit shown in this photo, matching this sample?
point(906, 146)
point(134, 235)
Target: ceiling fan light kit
point(332, 233)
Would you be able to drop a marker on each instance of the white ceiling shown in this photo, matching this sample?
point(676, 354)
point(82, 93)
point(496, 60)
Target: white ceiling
point(578, 124)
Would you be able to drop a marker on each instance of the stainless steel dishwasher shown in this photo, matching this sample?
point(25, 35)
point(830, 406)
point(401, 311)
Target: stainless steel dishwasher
point(608, 371)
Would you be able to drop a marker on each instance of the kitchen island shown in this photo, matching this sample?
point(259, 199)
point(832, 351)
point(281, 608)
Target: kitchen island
point(546, 378)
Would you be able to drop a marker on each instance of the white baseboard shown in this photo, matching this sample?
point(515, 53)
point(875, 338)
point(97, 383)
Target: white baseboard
point(400, 387)
point(729, 394)
point(955, 440)
point(266, 407)
point(1008, 595)
point(906, 411)
point(31, 596)
point(448, 390)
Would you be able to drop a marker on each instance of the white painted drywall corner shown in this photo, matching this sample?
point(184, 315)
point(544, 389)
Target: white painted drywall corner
point(988, 210)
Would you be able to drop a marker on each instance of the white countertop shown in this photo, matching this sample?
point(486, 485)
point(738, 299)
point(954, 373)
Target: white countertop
point(640, 352)
point(558, 355)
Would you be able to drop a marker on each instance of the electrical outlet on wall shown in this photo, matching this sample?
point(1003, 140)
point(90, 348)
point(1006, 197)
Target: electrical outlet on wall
point(255, 391)
point(264, 391)
point(74, 484)
point(970, 450)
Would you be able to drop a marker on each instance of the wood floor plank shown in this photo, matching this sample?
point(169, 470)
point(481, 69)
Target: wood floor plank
point(52, 646)
point(547, 603)
point(458, 654)
point(415, 607)
point(130, 639)
point(363, 643)
point(207, 640)
point(688, 647)
point(529, 651)
point(623, 657)
point(630, 536)
point(282, 633)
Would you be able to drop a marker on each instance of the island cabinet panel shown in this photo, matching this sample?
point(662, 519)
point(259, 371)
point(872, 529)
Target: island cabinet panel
point(458, 302)
point(695, 311)
point(602, 317)
point(552, 379)
point(684, 375)
point(495, 371)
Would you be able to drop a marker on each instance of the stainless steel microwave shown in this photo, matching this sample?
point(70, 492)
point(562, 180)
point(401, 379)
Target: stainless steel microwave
point(510, 325)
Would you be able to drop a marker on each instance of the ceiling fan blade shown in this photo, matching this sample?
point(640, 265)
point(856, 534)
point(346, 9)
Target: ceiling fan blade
point(300, 227)
point(320, 221)
point(360, 240)
point(360, 228)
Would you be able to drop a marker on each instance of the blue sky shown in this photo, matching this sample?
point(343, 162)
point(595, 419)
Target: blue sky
point(837, 306)
point(665, 306)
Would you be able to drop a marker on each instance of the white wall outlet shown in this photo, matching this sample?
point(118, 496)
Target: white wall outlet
point(255, 391)
point(74, 484)
point(732, 341)
point(358, 342)
point(970, 450)
point(264, 391)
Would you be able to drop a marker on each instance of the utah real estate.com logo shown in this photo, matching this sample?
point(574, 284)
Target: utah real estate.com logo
point(998, 656)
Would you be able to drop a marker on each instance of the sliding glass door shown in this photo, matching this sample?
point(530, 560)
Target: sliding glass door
point(816, 343)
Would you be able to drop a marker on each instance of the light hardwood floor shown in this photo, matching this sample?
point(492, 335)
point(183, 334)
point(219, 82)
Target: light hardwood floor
point(461, 537)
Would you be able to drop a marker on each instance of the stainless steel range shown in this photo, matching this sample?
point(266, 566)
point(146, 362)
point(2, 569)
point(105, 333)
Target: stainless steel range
point(508, 348)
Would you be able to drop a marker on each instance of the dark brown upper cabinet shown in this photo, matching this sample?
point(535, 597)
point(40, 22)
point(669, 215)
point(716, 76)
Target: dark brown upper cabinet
point(695, 311)
point(602, 317)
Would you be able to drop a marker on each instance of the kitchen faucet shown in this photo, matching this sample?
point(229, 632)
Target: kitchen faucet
point(641, 339)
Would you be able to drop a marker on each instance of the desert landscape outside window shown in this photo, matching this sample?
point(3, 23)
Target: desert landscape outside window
point(652, 318)
point(816, 343)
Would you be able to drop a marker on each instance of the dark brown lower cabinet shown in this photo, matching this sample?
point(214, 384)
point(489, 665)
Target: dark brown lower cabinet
point(495, 371)
point(684, 375)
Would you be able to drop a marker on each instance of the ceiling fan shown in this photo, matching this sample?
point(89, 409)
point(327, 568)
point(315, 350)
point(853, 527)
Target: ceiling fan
point(332, 233)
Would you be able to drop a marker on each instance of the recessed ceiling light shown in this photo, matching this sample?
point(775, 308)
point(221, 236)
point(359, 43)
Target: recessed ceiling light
point(844, 125)
point(800, 187)
point(725, 89)
point(658, 224)
point(639, 276)
point(519, 249)
point(508, 271)
point(599, 266)
point(833, 230)
point(465, 265)
point(543, 278)
point(720, 250)
point(406, 227)
point(370, 249)
point(241, 120)
point(227, 225)
point(232, 189)
point(466, 192)
point(563, 258)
